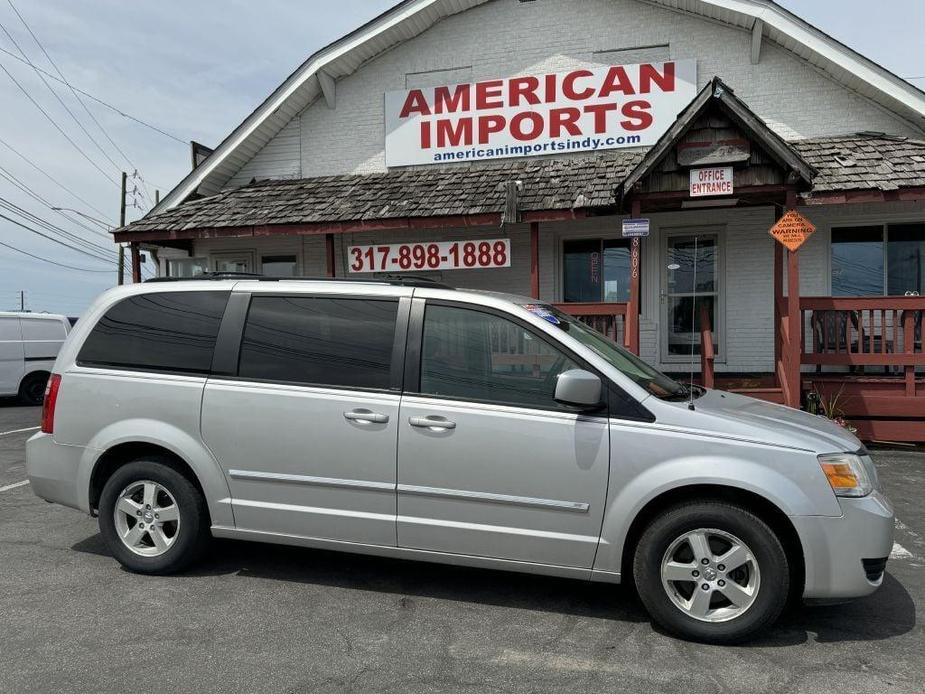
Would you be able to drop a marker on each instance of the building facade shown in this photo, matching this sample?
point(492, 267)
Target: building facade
point(415, 132)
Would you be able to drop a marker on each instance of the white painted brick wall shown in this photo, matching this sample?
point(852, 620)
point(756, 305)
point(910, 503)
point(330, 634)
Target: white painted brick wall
point(506, 37)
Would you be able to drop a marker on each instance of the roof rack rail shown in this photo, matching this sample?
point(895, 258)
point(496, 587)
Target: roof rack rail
point(396, 280)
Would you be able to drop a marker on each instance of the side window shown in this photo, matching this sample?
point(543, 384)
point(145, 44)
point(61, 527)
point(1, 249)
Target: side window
point(170, 331)
point(320, 341)
point(478, 356)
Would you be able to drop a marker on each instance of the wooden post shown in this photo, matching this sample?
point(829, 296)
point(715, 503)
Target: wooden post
point(778, 295)
point(136, 263)
point(535, 260)
point(329, 254)
point(632, 314)
point(794, 320)
point(908, 319)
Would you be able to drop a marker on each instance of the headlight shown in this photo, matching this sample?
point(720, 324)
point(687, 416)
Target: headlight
point(849, 474)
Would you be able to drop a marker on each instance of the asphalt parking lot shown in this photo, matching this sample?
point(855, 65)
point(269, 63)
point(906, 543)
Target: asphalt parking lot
point(256, 618)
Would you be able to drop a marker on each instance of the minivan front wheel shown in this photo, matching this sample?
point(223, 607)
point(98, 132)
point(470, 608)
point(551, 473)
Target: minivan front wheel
point(154, 520)
point(711, 571)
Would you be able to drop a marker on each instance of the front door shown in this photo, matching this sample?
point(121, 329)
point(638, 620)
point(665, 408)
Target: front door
point(489, 464)
point(691, 275)
point(306, 430)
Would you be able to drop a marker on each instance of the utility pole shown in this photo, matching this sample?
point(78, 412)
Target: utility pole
point(22, 300)
point(122, 224)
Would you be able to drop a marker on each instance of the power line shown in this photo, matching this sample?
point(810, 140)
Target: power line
point(49, 176)
point(54, 228)
point(58, 97)
point(58, 127)
point(76, 249)
point(69, 85)
point(4, 173)
point(115, 109)
point(53, 262)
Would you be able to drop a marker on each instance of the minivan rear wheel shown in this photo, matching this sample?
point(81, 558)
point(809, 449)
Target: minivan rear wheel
point(32, 388)
point(153, 519)
point(711, 571)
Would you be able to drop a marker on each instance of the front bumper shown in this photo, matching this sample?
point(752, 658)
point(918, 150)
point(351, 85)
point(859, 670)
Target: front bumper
point(52, 470)
point(835, 547)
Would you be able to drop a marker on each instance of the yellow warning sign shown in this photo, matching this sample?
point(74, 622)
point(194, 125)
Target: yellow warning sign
point(792, 230)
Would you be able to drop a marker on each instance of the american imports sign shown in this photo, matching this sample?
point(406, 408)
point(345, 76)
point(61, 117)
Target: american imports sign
point(578, 111)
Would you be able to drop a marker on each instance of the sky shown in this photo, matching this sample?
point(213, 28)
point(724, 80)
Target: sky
point(195, 69)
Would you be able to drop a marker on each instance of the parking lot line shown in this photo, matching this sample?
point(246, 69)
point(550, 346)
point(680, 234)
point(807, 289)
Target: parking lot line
point(13, 486)
point(18, 431)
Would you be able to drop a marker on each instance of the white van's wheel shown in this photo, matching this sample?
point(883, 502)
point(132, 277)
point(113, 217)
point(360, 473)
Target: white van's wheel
point(32, 388)
point(711, 571)
point(153, 519)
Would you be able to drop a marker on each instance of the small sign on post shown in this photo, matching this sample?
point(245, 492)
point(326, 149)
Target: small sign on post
point(792, 230)
point(635, 228)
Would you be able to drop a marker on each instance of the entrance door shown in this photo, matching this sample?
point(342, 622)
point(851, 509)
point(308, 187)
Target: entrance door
point(488, 463)
point(691, 274)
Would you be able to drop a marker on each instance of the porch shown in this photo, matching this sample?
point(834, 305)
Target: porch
point(853, 357)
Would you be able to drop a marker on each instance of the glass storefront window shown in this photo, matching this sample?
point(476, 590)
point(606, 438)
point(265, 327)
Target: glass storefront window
point(905, 259)
point(279, 265)
point(857, 261)
point(186, 267)
point(597, 270)
point(877, 260)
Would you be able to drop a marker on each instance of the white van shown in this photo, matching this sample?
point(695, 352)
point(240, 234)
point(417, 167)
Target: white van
point(29, 344)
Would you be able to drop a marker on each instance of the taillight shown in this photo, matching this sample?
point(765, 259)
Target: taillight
point(48, 406)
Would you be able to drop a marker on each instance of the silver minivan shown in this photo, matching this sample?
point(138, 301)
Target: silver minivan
point(402, 418)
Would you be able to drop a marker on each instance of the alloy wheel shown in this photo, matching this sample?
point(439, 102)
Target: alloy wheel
point(710, 575)
point(147, 518)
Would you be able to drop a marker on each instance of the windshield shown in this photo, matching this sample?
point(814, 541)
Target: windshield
point(643, 375)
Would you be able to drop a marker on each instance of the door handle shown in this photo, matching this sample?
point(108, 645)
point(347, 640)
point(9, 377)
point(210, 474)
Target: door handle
point(433, 423)
point(366, 416)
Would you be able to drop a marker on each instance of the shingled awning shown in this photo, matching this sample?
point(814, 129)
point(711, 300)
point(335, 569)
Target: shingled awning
point(549, 189)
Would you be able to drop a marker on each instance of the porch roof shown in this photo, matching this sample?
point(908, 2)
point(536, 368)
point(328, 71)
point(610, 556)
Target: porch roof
point(555, 186)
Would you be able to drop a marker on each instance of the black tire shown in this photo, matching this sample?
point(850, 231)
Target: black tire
point(32, 388)
point(191, 533)
point(773, 568)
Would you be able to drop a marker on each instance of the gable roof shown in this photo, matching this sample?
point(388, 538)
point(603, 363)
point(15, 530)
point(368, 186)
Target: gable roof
point(412, 17)
point(718, 93)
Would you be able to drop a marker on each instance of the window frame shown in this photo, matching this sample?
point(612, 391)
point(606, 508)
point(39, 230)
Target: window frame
point(277, 258)
point(227, 361)
point(885, 240)
point(611, 393)
point(601, 240)
point(203, 260)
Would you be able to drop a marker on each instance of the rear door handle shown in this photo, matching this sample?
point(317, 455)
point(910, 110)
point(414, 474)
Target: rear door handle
point(366, 416)
point(433, 423)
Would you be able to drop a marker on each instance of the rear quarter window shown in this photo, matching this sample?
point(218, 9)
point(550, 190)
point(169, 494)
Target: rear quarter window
point(169, 331)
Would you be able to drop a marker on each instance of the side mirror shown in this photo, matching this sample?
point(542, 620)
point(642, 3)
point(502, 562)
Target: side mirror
point(578, 387)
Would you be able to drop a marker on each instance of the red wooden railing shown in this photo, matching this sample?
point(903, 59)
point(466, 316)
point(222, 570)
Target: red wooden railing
point(864, 332)
point(609, 319)
point(707, 353)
